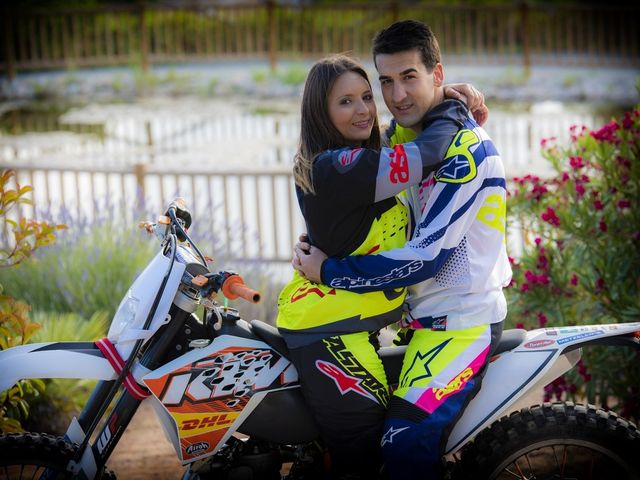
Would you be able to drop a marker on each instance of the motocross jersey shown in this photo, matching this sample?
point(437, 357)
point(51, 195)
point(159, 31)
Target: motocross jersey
point(354, 211)
point(456, 260)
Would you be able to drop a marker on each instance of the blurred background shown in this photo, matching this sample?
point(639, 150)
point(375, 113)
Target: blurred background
point(138, 101)
point(110, 109)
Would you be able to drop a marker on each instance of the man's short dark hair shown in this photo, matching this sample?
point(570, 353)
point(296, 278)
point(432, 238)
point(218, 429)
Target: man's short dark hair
point(408, 35)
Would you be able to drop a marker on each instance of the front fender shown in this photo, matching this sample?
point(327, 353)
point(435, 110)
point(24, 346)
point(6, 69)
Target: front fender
point(53, 360)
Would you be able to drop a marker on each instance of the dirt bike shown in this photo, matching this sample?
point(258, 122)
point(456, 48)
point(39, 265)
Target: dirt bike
point(229, 400)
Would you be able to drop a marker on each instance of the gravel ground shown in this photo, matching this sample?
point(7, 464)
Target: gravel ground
point(252, 80)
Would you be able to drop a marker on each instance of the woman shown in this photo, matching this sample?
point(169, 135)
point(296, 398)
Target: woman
point(347, 187)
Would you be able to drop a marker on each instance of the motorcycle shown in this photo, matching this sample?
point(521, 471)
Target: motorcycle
point(229, 400)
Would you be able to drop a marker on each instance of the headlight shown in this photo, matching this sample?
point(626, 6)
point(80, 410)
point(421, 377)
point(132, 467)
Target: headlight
point(124, 317)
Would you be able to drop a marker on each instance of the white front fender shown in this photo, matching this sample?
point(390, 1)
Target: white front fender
point(53, 360)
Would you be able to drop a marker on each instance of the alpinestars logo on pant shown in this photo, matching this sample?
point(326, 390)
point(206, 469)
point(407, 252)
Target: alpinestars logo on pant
point(345, 383)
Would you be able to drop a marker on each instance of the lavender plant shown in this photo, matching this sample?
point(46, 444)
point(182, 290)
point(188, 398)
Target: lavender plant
point(87, 270)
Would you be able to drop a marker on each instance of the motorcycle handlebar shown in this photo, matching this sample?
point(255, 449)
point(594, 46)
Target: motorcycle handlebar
point(234, 287)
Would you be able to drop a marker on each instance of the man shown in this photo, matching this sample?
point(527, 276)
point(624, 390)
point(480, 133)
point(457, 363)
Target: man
point(456, 260)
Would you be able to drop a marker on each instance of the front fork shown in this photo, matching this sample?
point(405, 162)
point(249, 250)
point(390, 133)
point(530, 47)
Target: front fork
point(91, 460)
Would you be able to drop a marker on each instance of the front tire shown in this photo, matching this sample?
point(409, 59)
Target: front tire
point(29, 455)
point(554, 441)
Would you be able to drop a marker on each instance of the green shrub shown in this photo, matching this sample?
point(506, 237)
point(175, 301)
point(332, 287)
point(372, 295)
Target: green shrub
point(294, 75)
point(51, 409)
point(581, 262)
point(22, 238)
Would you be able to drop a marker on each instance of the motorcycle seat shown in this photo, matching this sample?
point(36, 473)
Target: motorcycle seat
point(271, 335)
point(511, 338)
point(391, 356)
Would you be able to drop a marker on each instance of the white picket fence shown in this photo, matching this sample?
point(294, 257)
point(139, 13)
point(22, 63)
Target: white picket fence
point(233, 168)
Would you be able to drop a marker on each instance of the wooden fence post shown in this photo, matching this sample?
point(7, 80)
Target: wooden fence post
point(144, 37)
point(139, 170)
point(8, 45)
point(394, 7)
point(273, 34)
point(526, 53)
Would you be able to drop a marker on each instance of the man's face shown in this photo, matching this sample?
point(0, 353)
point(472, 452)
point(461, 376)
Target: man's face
point(408, 89)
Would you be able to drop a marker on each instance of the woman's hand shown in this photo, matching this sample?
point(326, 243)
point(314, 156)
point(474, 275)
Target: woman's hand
point(474, 99)
point(307, 260)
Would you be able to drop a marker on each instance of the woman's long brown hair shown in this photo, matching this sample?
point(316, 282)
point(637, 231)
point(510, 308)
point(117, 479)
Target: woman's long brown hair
point(317, 132)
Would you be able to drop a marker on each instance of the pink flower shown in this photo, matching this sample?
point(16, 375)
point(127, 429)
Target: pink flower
point(565, 176)
point(543, 263)
point(537, 240)
point(542, 319)
point(530, 276)
point(627, 121)
point(550, 217)
point(524, 288)
point(531, 178)
point(574, 280)
point(544, 141)
point(576, 162)
point(598, 205)
point(599, 285)
point(580, 189)
point(543, 279)
point(538, 191)
point(603, 226)
point(607, 132)
point(623, 162)
point(624, 203)
point(519, 325)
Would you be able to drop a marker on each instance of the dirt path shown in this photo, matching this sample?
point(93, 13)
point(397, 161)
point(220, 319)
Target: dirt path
point(144, 452)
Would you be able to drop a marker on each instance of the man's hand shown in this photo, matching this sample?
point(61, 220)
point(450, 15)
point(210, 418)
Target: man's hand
point(474, 99)
point(307, 260)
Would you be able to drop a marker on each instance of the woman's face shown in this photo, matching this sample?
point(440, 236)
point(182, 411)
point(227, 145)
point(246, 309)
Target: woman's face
point(351, 108)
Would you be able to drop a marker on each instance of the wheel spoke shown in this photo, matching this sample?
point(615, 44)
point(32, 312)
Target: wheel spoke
point(526, 456)
point(520, 471)
point(513, 473)
point(33, 477)
point(555, 456)
point(564, 459)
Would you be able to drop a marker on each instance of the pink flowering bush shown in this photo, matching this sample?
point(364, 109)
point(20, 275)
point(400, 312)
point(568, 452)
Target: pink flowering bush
point(581, 258)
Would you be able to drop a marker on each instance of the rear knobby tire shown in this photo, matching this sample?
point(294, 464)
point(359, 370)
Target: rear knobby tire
point(554, 441)
point(28, 455)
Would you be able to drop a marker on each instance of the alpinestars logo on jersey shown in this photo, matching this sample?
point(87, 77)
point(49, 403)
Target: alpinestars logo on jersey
point(396, 273)
point(460, 166)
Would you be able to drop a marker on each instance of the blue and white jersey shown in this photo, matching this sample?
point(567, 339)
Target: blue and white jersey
point(456, 261)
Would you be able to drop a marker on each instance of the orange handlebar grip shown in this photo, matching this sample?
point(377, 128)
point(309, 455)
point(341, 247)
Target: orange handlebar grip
point(234, 287)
